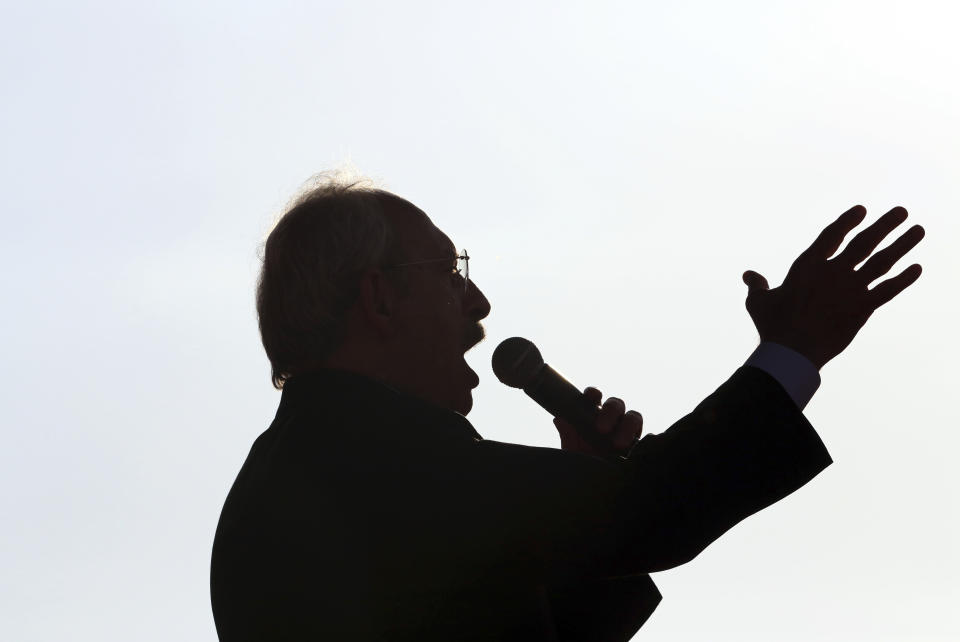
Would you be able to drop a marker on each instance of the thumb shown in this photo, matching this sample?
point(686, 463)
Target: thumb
point(569, 437)
point(755, 281)
point(566, 430)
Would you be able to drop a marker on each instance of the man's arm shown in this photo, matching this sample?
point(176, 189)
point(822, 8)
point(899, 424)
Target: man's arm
point(742, 448)
point(693, 472)
point(806, 321)
point(745, 447)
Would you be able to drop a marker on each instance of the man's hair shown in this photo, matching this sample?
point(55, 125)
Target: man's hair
point(312, 263)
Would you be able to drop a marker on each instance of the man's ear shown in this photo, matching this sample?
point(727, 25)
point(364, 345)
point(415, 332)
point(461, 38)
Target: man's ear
point(378, 302)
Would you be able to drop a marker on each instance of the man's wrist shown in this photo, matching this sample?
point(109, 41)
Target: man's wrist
point(798, 375)
point(796, 345)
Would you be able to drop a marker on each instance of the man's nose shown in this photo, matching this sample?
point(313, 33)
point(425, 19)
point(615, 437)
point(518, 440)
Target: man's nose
point(475, 305)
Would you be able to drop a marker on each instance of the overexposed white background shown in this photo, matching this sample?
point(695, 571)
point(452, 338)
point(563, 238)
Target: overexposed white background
point(613, 168)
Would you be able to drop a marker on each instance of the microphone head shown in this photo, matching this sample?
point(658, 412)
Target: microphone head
point(516, 361)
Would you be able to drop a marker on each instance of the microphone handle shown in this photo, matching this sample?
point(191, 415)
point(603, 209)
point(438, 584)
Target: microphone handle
point(562, 399)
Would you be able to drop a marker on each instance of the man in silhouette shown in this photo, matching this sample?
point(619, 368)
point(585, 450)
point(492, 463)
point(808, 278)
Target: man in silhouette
point(372, 510)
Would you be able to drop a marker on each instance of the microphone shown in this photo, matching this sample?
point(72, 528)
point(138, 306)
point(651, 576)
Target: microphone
point(518, 364)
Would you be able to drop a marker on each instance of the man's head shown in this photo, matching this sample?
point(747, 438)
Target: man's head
point(335, 292)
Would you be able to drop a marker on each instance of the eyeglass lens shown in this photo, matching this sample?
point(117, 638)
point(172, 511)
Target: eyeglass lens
point(463, 264)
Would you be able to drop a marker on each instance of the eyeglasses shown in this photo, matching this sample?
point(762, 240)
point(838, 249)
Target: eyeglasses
point(462, 269)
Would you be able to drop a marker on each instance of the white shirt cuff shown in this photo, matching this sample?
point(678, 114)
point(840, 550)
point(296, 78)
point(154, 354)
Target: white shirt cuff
point(797, 374)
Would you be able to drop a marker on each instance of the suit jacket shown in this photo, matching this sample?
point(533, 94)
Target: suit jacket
point(365, 514)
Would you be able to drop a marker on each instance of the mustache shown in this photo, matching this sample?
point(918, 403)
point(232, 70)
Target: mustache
point(475, 335)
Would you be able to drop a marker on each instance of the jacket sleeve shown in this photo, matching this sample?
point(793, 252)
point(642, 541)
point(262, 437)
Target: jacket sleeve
point(743, 448)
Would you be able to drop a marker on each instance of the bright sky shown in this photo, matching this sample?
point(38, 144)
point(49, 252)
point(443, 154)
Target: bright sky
point(613, 168)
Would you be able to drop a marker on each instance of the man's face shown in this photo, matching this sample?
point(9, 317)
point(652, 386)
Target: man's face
point(437, 321)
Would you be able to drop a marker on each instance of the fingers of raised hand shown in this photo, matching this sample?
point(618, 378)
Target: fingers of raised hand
point(892, 287)
point(881, 262)
point(832, 235)
point(867, 241)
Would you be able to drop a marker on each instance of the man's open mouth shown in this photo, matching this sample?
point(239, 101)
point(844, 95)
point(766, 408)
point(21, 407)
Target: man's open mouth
point(475, 336)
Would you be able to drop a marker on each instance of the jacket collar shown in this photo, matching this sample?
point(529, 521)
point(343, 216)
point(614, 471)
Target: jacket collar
point(369, 400)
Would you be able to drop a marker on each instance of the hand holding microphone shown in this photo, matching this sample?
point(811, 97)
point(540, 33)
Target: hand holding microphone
point(620, 427)
point(584, 425)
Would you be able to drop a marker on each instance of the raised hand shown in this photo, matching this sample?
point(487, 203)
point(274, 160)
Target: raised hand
point(824, 302)
point(619, 426)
